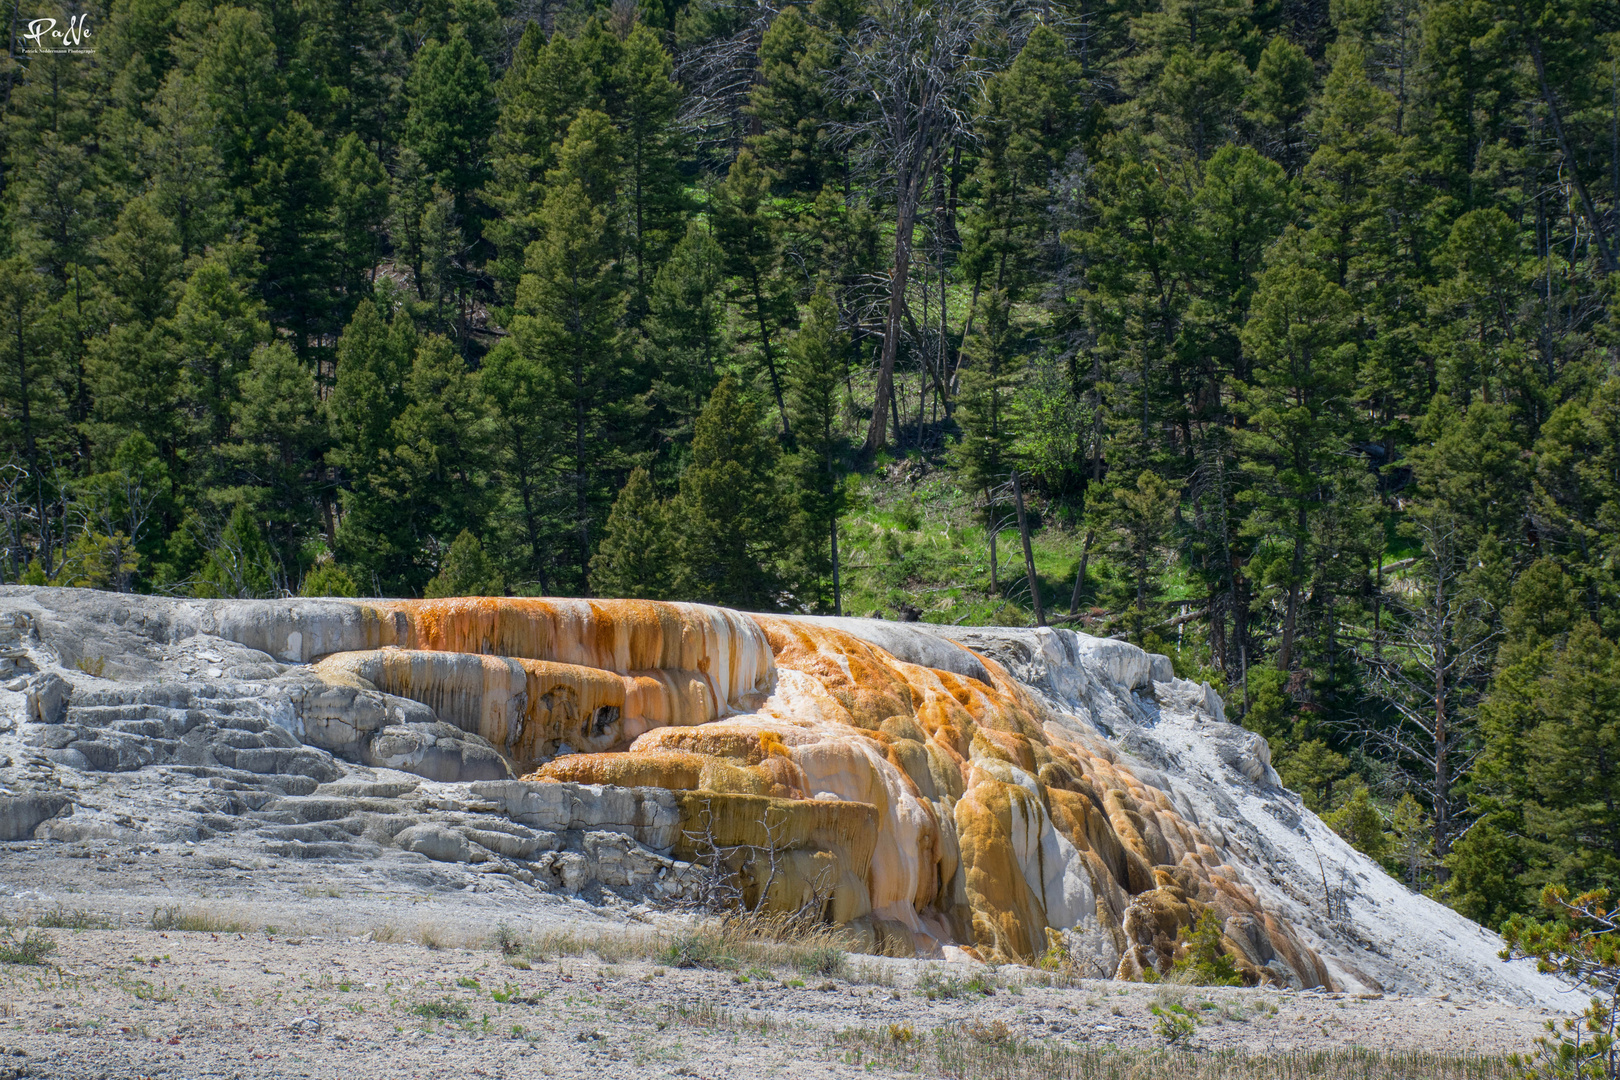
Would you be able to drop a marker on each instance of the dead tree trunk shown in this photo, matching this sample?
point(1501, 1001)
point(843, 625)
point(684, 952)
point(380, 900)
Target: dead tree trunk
point(1029, 558)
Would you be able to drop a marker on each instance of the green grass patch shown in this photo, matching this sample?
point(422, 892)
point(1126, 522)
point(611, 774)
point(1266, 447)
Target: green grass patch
point(195, 921)
point(442, 1009)
point(29, 947)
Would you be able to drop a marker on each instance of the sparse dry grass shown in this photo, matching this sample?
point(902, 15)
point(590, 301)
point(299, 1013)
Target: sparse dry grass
point(868, 973)
point(731, 943)
point(992, 1052)
point(195, 920)
point(386, 934)
point(77, 919)
point(60, 918)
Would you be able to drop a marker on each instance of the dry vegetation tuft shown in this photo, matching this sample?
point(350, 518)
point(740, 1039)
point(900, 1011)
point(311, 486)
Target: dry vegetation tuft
point(195, 920)
point(992, 1052)
point(728, 943)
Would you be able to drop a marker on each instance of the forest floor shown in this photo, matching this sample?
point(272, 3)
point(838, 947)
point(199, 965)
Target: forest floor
point(301, 971)
point(914, 538)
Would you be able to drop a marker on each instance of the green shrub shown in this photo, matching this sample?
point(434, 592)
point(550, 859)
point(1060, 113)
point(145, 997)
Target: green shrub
point(823, 960)
point(1205, 962)
point(1581, 941)
point(443, 1009)
point(698, 950)
point(1174, 1028)
point(31, 948)
point(77, 919)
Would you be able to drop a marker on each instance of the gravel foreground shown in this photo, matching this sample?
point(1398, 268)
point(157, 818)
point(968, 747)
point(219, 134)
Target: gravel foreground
point(297, 968)
point(141, 1003)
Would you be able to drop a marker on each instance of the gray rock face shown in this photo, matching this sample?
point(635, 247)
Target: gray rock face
point(434, 750)
point(118, 728)
point(142, 720)
point(20, 815)
point(648, 815)
point(437, 842)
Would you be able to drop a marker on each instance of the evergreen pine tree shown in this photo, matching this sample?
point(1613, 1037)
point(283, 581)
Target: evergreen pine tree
point(1571, 764)
point(815, 375)
point(292, 213)
point(234, 59)
point(33, 409)
point(452, 115)
point(373, 361)
point(467, 571)
point(649, 140)
point(636, 557)
point(539, 96)
point(987, 409)
point(217, 325)
point(1354, 118)
point(731, 516)
point(275, 453)
point(1032, 117)
point(360, 192)
point(184, 165)
point(793, 104)
point(132, 367)
point(750, 238)
point(570, 302)
point(438, 486)
point(1140, 517)
point(1299, 409)
point(1575, 500)
point(240, 565)
point(327, 578)
point(686, 338)
point(1192, 70)
point(368, 397)
point(1279, 96)
point(528, 436)
point(344, 61)
point(1543, 787)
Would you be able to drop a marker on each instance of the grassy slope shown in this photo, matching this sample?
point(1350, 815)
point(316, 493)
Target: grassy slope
point(914, 537)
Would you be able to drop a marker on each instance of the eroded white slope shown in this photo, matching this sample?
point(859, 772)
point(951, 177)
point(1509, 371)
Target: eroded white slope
point(1375, 934)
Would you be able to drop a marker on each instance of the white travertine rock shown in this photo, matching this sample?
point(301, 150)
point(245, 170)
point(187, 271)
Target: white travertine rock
point(969, 790)
point(646, 814)
point(437, 842)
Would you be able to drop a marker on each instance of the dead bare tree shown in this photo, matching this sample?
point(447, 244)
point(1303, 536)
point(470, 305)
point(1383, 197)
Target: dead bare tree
point(910, 79)
point(719, 73)
point(17, 512)
point(735, 880)
point(1432, 655)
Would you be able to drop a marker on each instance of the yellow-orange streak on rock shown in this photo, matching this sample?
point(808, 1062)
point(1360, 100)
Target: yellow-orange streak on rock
point(621, 636)
point(944, 808)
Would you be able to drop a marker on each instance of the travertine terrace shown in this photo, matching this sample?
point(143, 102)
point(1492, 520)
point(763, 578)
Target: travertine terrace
point(940, 791)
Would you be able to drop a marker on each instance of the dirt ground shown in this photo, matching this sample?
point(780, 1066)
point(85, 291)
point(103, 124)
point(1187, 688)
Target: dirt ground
point(139, 1003)
point(329, 976)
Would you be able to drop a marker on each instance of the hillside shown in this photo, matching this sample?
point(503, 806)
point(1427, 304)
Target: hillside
point(1277, 337)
